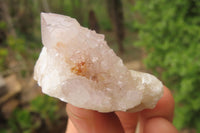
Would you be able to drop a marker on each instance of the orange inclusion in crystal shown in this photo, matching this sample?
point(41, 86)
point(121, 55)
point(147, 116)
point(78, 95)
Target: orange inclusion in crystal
point(79, 69)
point(59, 44)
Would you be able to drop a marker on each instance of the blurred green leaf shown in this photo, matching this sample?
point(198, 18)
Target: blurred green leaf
point(3, 130)
point(46, 106)
point(2, 25)
point(20, 121)
point(3, 52)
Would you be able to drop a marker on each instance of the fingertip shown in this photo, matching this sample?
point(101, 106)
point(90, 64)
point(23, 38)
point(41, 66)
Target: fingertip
point(78, 117)
point(159, 125)
point(128, 120)
point(78, 113)
point(70, 127)
point(164, 107)
point(92, 121)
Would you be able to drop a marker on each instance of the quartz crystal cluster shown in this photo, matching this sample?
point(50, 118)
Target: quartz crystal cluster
point(77, 66)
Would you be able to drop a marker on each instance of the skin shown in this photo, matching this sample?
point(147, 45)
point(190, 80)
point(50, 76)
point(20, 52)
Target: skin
point(157, 120)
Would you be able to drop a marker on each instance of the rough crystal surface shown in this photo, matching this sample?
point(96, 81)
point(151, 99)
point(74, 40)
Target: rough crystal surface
point(77, 66)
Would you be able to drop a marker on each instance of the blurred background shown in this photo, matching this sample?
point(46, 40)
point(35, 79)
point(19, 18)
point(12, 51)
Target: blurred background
point(161, 37)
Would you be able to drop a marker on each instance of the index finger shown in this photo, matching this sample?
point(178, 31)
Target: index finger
point(164, 109)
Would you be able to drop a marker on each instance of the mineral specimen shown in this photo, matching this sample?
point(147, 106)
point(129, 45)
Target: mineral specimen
point(77, 66)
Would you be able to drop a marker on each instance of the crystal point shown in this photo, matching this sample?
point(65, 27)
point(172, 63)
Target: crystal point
point(77, 66)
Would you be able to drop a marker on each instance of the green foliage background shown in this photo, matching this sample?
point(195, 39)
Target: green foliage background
point(170, 32)
point(42, 112)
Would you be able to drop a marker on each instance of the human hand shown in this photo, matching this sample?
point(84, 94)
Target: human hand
point(157, 120)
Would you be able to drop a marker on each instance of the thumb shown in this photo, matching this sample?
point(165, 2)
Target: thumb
point(89, 121)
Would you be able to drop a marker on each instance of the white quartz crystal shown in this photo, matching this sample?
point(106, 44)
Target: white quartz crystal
point(77, 66)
